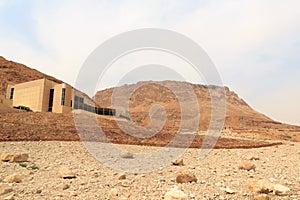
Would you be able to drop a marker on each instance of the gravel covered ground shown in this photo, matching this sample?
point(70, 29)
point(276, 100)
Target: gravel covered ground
point(217, 174)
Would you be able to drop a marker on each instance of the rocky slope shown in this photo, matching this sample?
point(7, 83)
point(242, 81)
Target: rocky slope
point(239, 117)
point(12, 72)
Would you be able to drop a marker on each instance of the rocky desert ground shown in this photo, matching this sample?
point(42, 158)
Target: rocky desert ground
point(66, 170)
point(42, 156)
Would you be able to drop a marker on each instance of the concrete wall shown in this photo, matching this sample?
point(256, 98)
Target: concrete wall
point(36, 95)
point(6, 98)
point(57, 107)
point(8, 90)
point(33, 94)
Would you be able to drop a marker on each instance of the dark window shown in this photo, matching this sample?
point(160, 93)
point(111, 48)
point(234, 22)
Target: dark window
point(78, 102)
point(12, 90)
point(63, 96)
point(51, 100)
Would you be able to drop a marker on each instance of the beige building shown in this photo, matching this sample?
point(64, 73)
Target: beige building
point(44, 95)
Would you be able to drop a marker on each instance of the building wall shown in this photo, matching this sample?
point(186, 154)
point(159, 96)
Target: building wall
point(36, 96)
point(46, 94)
point(8, 89)
point(33, 94)
point(57, 101)
point(6, 98)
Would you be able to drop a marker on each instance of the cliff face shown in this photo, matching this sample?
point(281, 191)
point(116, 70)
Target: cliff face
point(239, 115)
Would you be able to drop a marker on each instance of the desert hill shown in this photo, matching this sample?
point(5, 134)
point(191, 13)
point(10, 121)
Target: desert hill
point(12, 72)
point(241, 119)
point(239, 167)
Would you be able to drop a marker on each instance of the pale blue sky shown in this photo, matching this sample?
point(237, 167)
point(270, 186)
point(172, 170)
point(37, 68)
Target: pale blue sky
point(255, 45)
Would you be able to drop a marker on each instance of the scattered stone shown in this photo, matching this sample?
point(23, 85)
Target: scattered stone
point(5, 189)
point(10, 197)
point(15, 178)
point(39, 191)
point(127, 155)
point(73, 193)
point(178, 162)
point(272, 180)
point(114, 192)
point(281, 190)
point(192, 196)
point(175, 194)
point(5, 157)
point(65, 187)
point(185, 176)
point(260, 186)
point(122, 177)
point(125, 183)
point(229, 191)
point(254, 158)
point(65, 172)
point(20, 157)
point(262, 197)
point(246, 165)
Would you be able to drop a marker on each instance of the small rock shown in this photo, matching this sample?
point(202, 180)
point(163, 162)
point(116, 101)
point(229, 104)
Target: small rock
point(65, 172)
point(127, 155)
point(114, 192)
point(10, 197)
point(262, 197)
point(73, 193)
point(246, 165)
point(20, 157)
point(175, 194)
point(39, 191)
point(178, 162)
point(281, 190)
point(185, 176)
point(125, 183)
point(5, 189)
point(122, 177)
point(15, 178)
point(65, 187)
point(260, 186)
point(5, 157)
point(229, 191)
point(192, 196)
point(254, 158)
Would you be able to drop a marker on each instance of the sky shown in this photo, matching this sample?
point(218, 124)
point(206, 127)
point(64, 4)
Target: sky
point(255, 45)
